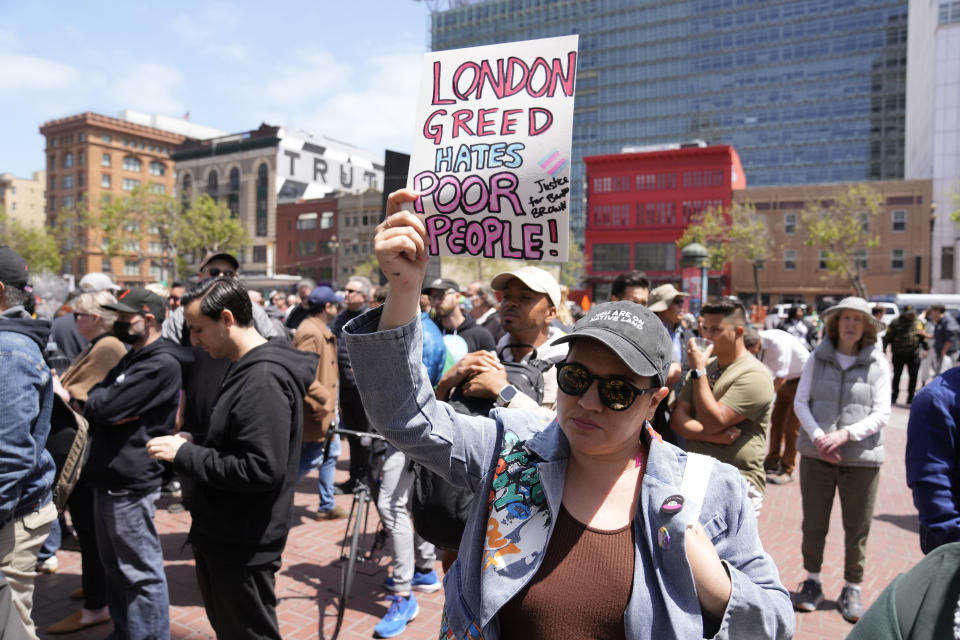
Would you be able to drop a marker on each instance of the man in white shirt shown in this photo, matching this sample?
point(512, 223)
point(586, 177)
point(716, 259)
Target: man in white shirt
point(784, 355)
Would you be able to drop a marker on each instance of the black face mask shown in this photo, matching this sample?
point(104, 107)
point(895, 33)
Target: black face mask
point(121, 330)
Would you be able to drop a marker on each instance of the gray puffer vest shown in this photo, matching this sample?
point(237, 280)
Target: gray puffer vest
point(841, 397)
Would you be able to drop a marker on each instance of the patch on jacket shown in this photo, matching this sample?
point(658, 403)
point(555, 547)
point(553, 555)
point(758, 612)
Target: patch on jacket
point(517, 506)
point(446, 633)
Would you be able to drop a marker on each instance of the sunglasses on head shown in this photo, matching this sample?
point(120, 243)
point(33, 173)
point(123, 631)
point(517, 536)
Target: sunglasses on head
point(615, 392)
point(214, 272)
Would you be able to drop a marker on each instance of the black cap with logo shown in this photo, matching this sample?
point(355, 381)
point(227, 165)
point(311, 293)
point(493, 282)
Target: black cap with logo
point(633, 332)
point(139, 300)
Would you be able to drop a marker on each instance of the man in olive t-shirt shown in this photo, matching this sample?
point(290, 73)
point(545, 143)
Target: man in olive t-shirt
point(724, 407)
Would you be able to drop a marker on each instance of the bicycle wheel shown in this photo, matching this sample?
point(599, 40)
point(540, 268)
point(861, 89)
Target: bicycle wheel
point(347, 569)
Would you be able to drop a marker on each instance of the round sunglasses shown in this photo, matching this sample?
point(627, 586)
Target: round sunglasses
point(615, 392)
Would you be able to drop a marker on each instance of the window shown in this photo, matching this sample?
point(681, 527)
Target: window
point(261, 213)
point(865, 222)
point(105, 137)
point(132, 164)
point(130, 184)
point(80, 179)
point(234, 179)
point(131, 268)
point(655, 256)
point(306, 221)
point(68, 181)
point(899, 219)
point(306, 248)
point(81, 157)
point(68, 202)
point(946, 263)
point(131, 246)
point(157, 168)
point(105, 160)
point(822, 262)
point(365, 222)
point(131, 226)
point(105, 181)
point(789, 223)
point(156, 248)
point(233, 200)
point(212, 186)
point(862, 259)
point(611, 257)
point(105, 265)
point(67, 160)
point(789, 259)
point(157, 188)
point(155, 270)
point(259, 253)
point(326, 219)
point(897, 259)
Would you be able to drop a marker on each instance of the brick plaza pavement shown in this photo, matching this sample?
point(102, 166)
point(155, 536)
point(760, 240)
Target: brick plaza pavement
point(310, 572)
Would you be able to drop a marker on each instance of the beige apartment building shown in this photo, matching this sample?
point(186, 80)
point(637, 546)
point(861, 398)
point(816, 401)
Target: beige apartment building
point(23, 198)
point(796, 273)
point(91, 157)
point(357, 219)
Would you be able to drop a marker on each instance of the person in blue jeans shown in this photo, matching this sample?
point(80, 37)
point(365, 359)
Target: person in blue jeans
point(136, 401)
point(320, 403)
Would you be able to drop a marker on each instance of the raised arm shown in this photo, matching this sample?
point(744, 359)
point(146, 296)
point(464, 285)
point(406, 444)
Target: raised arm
point(401, 249)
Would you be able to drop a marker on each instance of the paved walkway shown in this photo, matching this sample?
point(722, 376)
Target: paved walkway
point(310, 573)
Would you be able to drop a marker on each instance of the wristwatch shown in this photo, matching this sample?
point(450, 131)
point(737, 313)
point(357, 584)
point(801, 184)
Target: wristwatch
point(506, 395)
point(698, 373)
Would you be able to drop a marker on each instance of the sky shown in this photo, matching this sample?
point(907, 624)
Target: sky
point(348, 70)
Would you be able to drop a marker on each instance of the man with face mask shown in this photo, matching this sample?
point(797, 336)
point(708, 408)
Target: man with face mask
point(135, 402)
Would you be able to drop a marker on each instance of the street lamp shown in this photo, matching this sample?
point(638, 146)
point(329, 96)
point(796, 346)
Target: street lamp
point(334, 246)
point(695, 255)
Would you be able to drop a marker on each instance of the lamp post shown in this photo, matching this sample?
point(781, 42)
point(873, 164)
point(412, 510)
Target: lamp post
point(334, 246)
point(695, 255)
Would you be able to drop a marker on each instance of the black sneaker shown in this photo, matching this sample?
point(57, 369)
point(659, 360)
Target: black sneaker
point(851, 608)
point(808, 597)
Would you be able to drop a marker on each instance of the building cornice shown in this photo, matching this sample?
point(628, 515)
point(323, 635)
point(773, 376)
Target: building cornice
point(89, 119)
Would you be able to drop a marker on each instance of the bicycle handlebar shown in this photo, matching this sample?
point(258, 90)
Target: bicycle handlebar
point(360, 434)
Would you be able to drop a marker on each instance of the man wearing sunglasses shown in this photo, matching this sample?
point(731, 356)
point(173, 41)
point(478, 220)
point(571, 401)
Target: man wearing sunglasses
point(724, 408)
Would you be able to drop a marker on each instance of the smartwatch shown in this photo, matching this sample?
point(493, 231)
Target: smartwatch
point(506, 395)
point(698, 373)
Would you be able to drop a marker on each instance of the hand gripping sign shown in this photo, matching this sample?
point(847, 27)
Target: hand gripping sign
point(491, 151)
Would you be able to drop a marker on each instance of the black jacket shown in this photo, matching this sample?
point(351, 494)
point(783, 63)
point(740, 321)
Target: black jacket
point(346, 371)
point(242, 480)
point(476, 337)
point(144, 385)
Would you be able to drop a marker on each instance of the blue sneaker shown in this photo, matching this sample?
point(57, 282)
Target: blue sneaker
point(402, 610)
point(427, 582)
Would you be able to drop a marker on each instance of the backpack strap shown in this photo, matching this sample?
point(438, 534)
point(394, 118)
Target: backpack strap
point(696, 476)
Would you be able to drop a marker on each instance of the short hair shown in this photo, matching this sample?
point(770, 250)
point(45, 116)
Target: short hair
point(750, 337)
point(486, 293)
point(832, 331)
point(878, 309)
point(629, 279)
point(727, 307)
point(307, 282)
point(177, 283)
point(219, 294)
point(937, 307)
point(380, 293)
point(14, 296)
point(93, 303)
point(366, 287)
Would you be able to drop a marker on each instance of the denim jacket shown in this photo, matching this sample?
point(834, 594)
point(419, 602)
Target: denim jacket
point(26, 402)
point(518, 460)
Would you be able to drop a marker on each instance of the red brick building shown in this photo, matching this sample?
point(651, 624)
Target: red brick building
point(307, 239)
point(638, 205)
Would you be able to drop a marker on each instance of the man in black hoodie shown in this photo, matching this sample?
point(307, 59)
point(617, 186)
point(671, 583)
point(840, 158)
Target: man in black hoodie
point(136, 401)
point(243, 476)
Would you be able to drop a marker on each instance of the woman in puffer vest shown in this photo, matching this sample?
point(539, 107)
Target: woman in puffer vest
point(843, 404)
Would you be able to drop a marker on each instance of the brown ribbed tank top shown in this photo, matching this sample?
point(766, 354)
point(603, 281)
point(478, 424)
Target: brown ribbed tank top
point(581, 589)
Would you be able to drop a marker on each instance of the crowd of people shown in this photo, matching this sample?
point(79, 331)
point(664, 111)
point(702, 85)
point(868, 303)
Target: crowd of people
point(652, 479)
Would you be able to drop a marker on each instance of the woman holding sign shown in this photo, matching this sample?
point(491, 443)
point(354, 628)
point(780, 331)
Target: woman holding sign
point(591, 526)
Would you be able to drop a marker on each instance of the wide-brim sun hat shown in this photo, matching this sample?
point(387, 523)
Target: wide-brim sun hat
point(856, 304)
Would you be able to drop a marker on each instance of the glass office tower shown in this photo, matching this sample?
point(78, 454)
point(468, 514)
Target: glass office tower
point(807, 91)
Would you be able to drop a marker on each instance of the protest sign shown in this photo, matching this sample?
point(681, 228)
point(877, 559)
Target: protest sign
point(491, 152)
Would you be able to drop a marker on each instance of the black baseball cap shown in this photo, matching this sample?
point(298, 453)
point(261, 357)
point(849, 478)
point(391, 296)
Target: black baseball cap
point(441, 284)
point(633, 332)
point(139, 300)
point(13, 268)
point(210, 257)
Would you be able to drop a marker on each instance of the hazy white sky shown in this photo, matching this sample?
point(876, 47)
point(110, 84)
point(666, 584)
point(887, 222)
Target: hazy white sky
point(348, 70)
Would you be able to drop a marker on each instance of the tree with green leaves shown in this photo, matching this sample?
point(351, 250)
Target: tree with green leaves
point(840, 228)
point(35, 245)
point(203, 226)
point(572, 271)
point(730, 234)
